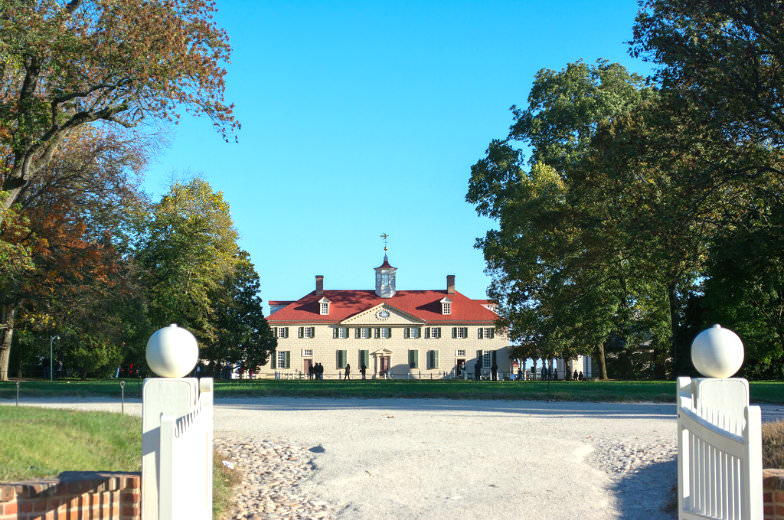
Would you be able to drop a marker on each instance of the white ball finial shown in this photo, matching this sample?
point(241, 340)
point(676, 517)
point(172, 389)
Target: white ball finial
point(717, 352)
point(172, 352)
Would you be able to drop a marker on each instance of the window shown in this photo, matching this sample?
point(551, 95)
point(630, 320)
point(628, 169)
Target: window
point(486, 333)
point(385, 279)
point(446, 307)
point(413, 359)
point(412, 332)
point(386, 332)
point(460, 332)
point(307, 352)
point(365, 332)
point(487, 359)
point(282, 332)
point(306, 332)
point(433, 332)
point(460, 352)
point(324, 308)
point(364, 358)
point(432, 359)
point(340, 332)
point(282, 359)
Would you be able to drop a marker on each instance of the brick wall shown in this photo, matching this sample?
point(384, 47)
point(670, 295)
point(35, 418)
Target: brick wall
point(773, 492)
point(75, 495)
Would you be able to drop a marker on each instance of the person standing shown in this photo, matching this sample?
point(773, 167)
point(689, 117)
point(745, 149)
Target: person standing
point(348, 371)
point(477, 370)
point(362, 369)
point(494, 372)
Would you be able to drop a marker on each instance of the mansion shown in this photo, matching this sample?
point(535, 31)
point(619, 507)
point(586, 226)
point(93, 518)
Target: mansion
point(421, 334)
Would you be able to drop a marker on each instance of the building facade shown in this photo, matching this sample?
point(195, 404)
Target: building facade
point(421, 334)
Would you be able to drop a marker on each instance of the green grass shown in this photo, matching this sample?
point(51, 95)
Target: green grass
point(657, 391)
point(38, 443)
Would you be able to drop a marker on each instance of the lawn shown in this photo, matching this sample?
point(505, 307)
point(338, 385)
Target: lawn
point(657, 391)
point(40, 443)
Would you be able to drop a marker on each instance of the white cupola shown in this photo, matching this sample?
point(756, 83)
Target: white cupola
point(385, 279)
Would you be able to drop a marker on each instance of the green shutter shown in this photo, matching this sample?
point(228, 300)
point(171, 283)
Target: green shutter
point(413, 359)
point(406, 333)
point(479, 357)
point(312, 332)
point(341, 361)
point(389, 332)
point(275, 331)
point(286, 332)
point(454, 332)
point(335, 333)
point(300, 332)
point(427, 332)
point(435, 359)
point(346, 336)
point(274, 359)
point(465, 332)
point(364, 358)
point(479, 333)
point(419, 332)
point(492, 333)
point(288, 359)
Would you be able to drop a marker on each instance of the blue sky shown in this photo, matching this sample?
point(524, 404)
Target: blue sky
point(363, 118)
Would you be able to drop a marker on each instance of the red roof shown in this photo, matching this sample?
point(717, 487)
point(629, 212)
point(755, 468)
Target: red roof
point(385, 265)
point(425, 305)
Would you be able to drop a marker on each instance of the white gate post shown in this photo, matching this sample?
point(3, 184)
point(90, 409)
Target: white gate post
point(176, 417)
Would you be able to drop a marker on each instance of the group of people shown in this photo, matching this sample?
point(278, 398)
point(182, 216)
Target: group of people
point(549, 374)
point(316, 371)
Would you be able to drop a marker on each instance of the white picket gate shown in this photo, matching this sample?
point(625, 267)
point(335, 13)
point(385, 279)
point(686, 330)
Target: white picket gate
point(177, 442)
point(719, 450)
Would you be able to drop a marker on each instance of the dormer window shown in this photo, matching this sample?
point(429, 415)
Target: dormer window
point(324, 306)
point(446, 306)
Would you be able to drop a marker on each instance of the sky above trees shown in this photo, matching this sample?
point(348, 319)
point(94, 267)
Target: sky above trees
point(364, 118)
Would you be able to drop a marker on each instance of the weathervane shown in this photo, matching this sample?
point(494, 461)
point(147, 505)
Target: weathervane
point(385, 237)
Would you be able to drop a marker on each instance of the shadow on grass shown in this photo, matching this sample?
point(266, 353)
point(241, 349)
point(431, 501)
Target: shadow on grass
point(648, 493)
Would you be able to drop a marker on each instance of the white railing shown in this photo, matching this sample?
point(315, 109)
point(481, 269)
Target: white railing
point(177, 446)
point(719, 450)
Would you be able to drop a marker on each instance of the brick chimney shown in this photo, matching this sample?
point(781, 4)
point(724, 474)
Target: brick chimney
point(319, 284)
point(450, 284)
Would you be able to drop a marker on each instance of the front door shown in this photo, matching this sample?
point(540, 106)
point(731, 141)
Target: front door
point(307, 366)
point(383, 366)
point(460, 367)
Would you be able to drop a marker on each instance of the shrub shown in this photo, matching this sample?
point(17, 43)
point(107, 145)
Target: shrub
point(773, 445)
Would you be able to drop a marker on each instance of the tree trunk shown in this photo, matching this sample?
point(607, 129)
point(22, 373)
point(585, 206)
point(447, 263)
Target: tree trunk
point(672, 295)
point(602, 362)
point(7, 320)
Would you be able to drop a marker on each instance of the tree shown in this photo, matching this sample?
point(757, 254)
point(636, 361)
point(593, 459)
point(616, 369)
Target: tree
point(76, 214)
point(187, 250)
point(66, 64)
point(553, 251)
point(242, 334)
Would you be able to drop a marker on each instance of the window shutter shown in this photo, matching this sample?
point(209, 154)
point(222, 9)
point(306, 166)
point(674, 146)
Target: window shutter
point(312, 332)
point(363, 358)
point(492, 333)
point(427, 332)
point(357, 333)
point(275, 331)
point(494, 358)
point(465, 332)
point(274, 359)
point(454, 332)
point(286, 332)
point(479, 333)
point(288, 359)
point(479, 357)
point(433, 359)
point(389, 332)
point(419, 332)
point(406, 333)
point(346, 334)
point(300, 332)
point(377, 332)
point(335, 333)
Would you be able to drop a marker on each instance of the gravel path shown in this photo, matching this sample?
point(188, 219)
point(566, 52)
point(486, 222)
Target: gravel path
point(429, 458)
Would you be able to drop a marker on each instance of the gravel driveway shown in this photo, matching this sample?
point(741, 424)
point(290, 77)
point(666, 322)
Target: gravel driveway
point(433, 458)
